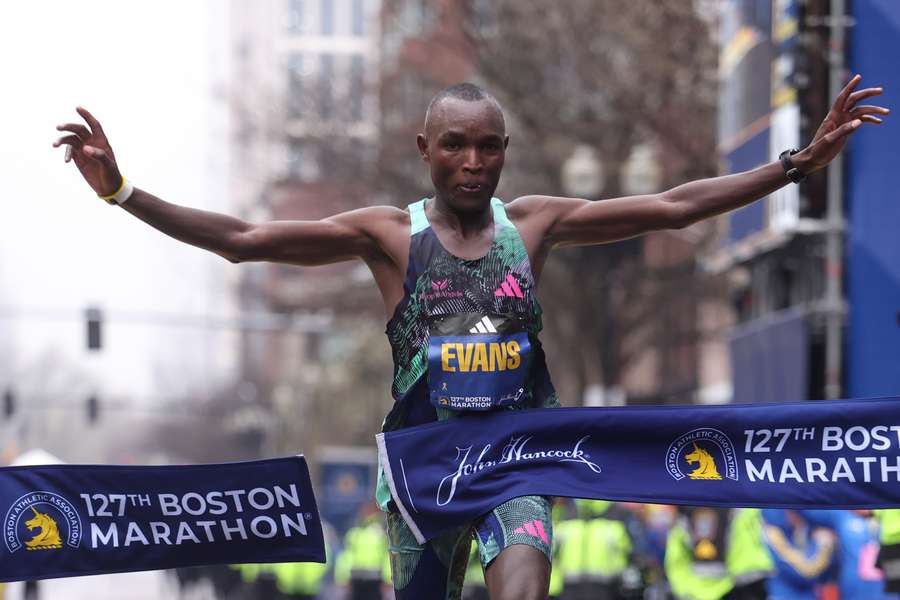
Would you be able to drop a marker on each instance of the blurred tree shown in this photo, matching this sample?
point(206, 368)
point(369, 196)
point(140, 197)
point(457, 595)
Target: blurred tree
point(611, 76)
point(345, 402)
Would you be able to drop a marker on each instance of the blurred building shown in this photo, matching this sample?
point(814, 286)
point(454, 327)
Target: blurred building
point(423, 50)
point(305, 114)
point(814, 291)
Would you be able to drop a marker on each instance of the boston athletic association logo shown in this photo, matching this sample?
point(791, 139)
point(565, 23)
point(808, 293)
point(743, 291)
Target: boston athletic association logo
point(702, 454)
point(47, 536)
point(41, 521)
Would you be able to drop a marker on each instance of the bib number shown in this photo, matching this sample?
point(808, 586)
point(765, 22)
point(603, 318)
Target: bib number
point(477, 362)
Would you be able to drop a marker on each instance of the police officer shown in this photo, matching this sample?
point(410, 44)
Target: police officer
point(717, 554)
point(607, 548)
point(299, 581)
point(889, 553)
point(361, 565)
point(569, 536)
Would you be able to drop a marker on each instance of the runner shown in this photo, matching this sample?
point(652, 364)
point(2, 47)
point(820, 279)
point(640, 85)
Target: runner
point(458, 273)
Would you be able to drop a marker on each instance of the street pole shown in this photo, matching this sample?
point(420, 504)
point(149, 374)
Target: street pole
point(834, 300)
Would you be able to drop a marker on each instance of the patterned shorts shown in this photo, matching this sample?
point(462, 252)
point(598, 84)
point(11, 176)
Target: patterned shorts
point(435, 570)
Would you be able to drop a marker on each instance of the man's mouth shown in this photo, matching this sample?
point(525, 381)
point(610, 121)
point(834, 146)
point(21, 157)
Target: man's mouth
point(470, 188)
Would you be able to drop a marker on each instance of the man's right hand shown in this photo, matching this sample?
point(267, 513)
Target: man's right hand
point(89, 148)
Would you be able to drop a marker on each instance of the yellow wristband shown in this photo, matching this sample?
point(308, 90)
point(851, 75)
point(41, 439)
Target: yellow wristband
point(120, 195)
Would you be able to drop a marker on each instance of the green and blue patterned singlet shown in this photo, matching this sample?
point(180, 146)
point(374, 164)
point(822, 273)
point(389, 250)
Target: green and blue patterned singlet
point(484, 296)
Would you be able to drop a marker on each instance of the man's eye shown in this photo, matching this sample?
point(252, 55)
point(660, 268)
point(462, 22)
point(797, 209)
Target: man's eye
point(452, 146)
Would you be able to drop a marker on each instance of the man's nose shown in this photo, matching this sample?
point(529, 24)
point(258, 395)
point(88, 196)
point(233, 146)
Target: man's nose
point(473, 162)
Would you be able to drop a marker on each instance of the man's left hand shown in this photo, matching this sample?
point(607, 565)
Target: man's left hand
point(842, 120)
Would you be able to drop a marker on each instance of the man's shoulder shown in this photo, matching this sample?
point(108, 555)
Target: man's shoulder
point(377, 216)
point(525, 207)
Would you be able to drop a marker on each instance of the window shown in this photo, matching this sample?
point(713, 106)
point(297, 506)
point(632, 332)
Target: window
point(295, 86)
point(295, 16)
point(358, 17)
point(357, 87)
point(327, 14)
point(484, 14)
point(326, 87)
point(303, 160)
point(416, 16)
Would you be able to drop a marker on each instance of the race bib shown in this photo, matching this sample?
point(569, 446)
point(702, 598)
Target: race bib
point(476, 361)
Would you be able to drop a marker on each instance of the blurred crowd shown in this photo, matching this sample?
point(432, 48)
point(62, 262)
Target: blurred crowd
point(613, 551)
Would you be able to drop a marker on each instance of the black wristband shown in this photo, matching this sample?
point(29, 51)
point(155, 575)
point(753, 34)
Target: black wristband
point(790, 169)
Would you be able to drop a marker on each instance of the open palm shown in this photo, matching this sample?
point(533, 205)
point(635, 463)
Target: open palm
point(89, 148)
point(842, 119)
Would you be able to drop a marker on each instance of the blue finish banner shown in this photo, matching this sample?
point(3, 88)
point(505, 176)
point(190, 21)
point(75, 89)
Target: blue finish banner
point(68, 520)
point(835, 454)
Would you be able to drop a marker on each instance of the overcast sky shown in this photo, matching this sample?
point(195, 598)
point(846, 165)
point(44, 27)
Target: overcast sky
point(148, 71)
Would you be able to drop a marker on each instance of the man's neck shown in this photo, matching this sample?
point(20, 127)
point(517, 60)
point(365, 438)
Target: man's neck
point(464, 224)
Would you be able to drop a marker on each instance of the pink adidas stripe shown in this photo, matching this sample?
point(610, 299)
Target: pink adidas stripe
point(515, 286)
point(509, 288)
point(534, 529)
point(541, 531)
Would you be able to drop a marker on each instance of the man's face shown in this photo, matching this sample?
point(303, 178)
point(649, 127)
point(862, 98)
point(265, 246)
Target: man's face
point(465, 145)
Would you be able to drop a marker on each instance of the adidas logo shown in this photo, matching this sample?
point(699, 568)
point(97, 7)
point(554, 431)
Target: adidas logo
point(484, 326)
point(535, 529)
point(509, 288)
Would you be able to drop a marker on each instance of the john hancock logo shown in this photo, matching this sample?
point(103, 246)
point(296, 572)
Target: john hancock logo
point(515, 452)
point(41, 521)
point(705, 454)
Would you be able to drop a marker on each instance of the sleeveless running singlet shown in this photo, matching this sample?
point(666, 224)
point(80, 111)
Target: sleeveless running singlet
point(465, 334)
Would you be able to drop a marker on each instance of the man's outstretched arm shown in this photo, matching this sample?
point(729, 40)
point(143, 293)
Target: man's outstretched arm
point(567, 221)
point(334, 239)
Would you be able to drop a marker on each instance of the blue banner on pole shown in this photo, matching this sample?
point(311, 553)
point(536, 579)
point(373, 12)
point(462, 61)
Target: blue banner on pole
point(68, 520)
point(835, 454)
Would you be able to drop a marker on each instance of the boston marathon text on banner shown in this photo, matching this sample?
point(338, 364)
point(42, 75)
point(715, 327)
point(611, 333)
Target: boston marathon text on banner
point(836, 454)
point(66, 520)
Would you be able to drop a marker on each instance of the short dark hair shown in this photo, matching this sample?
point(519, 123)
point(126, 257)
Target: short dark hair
point(466, 91)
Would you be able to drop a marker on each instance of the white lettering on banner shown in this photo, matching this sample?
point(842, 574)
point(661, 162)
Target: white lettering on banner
point(834, 439)
point(111, 537)
point(231, 505)
point(196, 532)
point(161, 532)
point(865, 469)
point(135, 535)
point(513, 452)
point(860, 438)
point(185, 533)
point(212, 503)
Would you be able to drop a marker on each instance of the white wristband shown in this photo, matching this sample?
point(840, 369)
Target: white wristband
point(122, 194)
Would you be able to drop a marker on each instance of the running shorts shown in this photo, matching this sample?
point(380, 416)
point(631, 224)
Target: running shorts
point(435, 570)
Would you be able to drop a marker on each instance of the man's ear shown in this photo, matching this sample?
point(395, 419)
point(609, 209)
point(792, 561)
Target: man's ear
point(422, 143)
point(505, 142)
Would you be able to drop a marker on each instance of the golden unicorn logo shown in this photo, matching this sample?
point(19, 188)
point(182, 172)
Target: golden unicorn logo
point(707, 467)
point(48, 537)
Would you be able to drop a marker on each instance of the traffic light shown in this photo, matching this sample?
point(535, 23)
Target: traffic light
point(94, 319)
point(9, 404)
point(93, 409)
